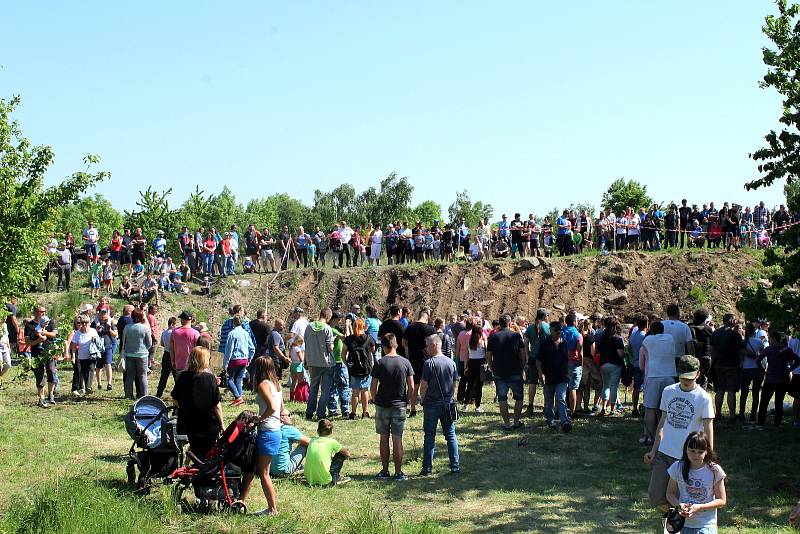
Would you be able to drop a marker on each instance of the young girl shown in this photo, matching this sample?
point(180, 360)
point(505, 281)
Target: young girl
point(108, 276)
point(296, 368)
point(697, 485)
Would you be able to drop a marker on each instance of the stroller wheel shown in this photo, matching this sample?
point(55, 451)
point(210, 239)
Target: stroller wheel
point(238, 507)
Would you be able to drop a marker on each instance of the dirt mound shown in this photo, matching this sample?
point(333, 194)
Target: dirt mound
point(624, 284)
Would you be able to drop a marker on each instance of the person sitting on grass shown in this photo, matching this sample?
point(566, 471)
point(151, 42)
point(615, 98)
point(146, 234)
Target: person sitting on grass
point(325, 457)
point(289, 461)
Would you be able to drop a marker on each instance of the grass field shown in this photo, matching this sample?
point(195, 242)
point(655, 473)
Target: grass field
point(63, 470)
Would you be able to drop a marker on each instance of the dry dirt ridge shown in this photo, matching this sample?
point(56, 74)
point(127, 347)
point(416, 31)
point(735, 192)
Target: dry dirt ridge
point(623, 284)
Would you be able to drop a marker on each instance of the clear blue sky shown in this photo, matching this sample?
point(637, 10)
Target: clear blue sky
point(527, 105)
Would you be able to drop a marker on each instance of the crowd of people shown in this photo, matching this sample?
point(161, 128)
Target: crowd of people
point(147, 268)
point(346, 361)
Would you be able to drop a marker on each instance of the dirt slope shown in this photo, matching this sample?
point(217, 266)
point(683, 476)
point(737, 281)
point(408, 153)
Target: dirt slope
point(623, 284)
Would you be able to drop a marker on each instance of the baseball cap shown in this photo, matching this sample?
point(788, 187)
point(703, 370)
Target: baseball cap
point(688, 366)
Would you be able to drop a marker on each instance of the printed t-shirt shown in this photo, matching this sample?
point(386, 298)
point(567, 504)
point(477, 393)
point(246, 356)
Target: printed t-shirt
point(685, 411)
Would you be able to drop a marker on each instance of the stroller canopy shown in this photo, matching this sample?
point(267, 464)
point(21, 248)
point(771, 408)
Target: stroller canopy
point(145, 419)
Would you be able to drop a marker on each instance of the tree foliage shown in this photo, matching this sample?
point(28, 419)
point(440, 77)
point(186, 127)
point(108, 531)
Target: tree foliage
point(195, 209)
point(97, 208)
point(28, 210)
point(622, 194)
point(153, 213)
point(471, 212)
point(779, 299)
point(780, 158)
point(427, 212)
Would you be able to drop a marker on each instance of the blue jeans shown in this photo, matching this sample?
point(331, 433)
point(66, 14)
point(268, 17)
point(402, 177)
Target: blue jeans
point(340, 390)
point(235, 378)
point(557, 393)
point(208, 263)
point(319, 390)
point(433, 414)
point(230, 264)
point(611, 376)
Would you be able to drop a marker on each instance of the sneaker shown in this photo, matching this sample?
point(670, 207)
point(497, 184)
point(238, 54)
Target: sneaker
point(352, 416)
point(42, 404)
point(76, 393)
point(642, 440)
point(81, 391)
point(566, 428)
point(478, 410)
point(341, 480)
point(333, 414)
point(383, 475)
point(51, 400)
point(400, 477)
point(265, 511)
point(595, 409)
point(89, 391)
point(366, 415)
point(455, 470)
point(551, 424)
point(108, 387)
point(412, 413)
point(425, 473)
point(238, 402)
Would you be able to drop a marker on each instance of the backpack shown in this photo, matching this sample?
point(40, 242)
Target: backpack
point(300, 392)
point(359, 358)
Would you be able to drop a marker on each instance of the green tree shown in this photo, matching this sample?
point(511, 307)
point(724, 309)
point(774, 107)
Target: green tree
point(335, 205)
point(472, 213)
point(262, 213)
point(153, 213)
point(98, 209)
point(427, 212)
point(623, 194)
point(28, 210)
point(224, 211)
point(779, 299)
point(194, 210)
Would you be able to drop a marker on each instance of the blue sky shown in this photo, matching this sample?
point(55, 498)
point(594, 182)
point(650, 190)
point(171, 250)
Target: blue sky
point(527, 105)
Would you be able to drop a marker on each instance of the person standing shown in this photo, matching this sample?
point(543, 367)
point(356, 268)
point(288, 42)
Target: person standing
point(340, 379)
point(414, 340)
point(656, 359)
point(319, 360)
point(239, 350)
point(90, 240)
point(270, 405)
point(726, 347)
point(506, 356)
point(574, 345)
point(107, 330)
point(535, 334)
point(436, 390)
point(166, 358)
point(781, 361)
point(553, 366)
point(685, 408)
point(393, 326)
point(39, 335)
point(136, 342)
point(181, 342)
point(392, 385)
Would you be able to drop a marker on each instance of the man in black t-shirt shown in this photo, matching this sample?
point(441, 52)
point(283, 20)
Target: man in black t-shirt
point(392, 385)
point(395, 327)
point(506, 356)
point(726, 345)
point(199, 410)
point(414, 341)
point(553, 366)
point(261, 332)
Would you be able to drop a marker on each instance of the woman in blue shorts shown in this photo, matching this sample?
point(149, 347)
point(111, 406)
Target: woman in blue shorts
point(270, 404)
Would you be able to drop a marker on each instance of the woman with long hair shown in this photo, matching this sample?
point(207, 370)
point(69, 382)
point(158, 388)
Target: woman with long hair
point(360, 348)
point(612, 360)
point(476, 350)
point(270, 403)
point(752, 371)
point(199, 410)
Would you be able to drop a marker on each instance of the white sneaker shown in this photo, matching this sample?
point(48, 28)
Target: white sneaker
point(265, 511)
point(81, 392)
point(478, 410)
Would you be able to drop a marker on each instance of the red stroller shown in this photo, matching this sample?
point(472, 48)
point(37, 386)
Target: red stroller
point(217, 479)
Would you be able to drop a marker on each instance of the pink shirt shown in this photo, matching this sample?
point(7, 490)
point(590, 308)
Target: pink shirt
point(463, 350)
point(184, 339)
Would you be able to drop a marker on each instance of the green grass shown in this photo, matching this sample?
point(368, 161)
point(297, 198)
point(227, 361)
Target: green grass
point(63, 470)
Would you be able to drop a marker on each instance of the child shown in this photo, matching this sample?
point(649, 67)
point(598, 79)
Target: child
point(325, 457)
point(178, 286)
point(248, 266)
point(95, 275)
point(312, 254)
point(297, 355)
point(205, 287)
point(697, 485)
point(164, 283)
point(138, 271)
point(108, 276)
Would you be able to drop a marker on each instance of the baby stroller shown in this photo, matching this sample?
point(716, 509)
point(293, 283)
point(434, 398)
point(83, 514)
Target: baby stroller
point(157, 448)
point(217, 479)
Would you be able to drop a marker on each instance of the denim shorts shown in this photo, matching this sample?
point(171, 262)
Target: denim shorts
point(360, 382)
point(390, 420)
point(575, 375)
point(269, 442)
point(514, 383)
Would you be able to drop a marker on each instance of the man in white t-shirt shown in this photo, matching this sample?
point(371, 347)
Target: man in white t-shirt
point(376, 241)
point(681, 332)
point(657, 361)
point(299, 325)
point(345, 233)
point(685, 407)
point(632, 221)
point(90, 238)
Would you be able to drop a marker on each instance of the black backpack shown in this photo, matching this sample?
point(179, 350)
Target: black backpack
point(359, 357)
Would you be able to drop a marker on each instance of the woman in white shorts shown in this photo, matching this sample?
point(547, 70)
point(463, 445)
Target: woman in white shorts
point(376, 242)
